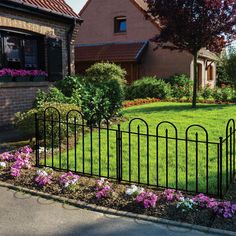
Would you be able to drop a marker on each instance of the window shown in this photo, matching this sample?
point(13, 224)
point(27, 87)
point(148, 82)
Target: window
point(13, 52)
point(210, 73)
point(21, 51)
point(120, 24)
point(31, 54)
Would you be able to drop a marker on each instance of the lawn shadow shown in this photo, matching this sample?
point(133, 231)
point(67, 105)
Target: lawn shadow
point(176, 108)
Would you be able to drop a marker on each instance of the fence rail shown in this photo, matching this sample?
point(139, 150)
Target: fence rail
point(130, 153)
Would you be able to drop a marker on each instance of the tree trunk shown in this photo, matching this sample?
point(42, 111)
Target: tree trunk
point(195, 81)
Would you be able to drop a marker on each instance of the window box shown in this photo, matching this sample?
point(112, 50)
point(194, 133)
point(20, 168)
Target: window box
point(22, 79)
point(38, 78)
point(5, 79)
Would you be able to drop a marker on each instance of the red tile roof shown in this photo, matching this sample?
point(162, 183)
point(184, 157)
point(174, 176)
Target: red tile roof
point(113, 52)
point(55, 6)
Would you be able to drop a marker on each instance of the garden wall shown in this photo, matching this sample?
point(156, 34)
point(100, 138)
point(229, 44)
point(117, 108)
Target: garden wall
point(17, 97)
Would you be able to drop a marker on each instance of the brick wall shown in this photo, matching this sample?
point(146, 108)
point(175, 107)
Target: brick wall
point(17, 97)
point(24, 21)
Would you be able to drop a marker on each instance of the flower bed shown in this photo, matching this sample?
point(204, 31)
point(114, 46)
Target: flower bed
point(10, 75)
point(138, 102)
point(169, 204)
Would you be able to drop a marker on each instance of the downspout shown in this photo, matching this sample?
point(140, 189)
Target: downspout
point(69, 38)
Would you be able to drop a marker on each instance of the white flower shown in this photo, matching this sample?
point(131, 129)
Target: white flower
point(42, 173)
point(134, 190)
point(3, 165)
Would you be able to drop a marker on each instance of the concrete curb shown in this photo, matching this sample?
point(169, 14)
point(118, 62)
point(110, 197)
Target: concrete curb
point(118, 213)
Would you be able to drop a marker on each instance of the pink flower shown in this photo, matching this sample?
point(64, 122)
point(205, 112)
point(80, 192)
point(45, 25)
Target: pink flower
point(6, 156)
point(15, 172)
point(103, 188)
point(68, 179)
point(172, 195)
point(148, 199)
point(44, 177)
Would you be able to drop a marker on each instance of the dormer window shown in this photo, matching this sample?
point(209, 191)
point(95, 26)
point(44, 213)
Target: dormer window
point(120, 24)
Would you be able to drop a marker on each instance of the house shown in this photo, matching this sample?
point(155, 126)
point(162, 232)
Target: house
point(122, 35)
point(34, 34)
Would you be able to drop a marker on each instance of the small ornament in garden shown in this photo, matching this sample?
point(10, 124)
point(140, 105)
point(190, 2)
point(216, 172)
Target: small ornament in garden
point(147, 199)
point(134, 190)
point(103, 189)
point(44, 177)
point(69, 180)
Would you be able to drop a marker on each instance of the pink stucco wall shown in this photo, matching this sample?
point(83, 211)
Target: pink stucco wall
point(98, 27)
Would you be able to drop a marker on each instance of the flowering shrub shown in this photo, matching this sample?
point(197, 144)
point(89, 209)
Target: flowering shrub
point(44, 177)
point(68, 180)
point(140, 101)
point(172, 195)
point(220, 208)
point(133, 190)
point(147, 199)
point(21, 73)
point(186, 204)
point(7, 156)
point(21, 159)
point(103, 188)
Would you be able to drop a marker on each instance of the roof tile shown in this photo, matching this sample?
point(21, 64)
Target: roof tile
point(57, 6)
point(114, 52)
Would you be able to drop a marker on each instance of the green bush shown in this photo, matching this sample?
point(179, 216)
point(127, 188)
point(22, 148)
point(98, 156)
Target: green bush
point(52, 96)
point(148, 87)
point(224, 94)
point(102, 93)
point(206, 93)
point(25, 121)
point(69, 84)
point(181, 86)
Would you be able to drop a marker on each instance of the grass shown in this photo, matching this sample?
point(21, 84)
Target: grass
point(212, 117)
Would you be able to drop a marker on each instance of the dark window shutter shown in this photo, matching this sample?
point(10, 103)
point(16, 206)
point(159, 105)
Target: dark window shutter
point(41, 53)
point(54, 52)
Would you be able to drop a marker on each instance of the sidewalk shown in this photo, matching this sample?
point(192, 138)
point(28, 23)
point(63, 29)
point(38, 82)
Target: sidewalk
point(24, 215)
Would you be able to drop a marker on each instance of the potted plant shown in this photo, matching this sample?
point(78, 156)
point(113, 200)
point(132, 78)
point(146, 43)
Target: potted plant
point(5, 76)
point(21, 75)
point(38, 75)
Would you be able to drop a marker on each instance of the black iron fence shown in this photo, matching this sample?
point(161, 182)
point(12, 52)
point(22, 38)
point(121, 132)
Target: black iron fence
point(131, 153)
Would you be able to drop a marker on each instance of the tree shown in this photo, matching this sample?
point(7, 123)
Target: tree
point(230, 66)
point(190, 25)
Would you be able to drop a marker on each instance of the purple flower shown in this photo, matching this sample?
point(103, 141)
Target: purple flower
point(68, 179)
point(44, 177)
point(15, 172)
point(148, 199)
point(103, 188)
point(6, 156)
point(22, 73)
point(172, 195)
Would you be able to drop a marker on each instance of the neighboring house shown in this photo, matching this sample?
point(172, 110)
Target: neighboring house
point(38, 34)
point(34, 34)
point(118, 31)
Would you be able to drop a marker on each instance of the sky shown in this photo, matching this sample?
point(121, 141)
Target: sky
point(76, 4)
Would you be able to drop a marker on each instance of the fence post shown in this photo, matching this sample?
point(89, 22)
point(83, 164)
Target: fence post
point(118, 154)
point(220, 166)
point(36, 140)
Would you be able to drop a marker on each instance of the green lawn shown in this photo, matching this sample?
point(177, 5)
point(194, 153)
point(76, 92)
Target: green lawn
point(212, 117)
